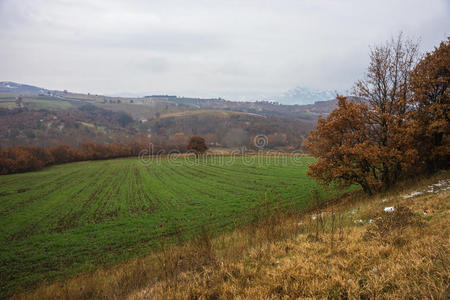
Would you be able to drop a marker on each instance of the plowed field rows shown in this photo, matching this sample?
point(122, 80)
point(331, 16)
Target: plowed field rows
point(75, 217)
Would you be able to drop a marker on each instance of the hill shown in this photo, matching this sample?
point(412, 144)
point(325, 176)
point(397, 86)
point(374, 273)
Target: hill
point(353, 247)
point(50, 127)
point(10, 91)
point(19, 88)
point(228, 128)
point(35, 116)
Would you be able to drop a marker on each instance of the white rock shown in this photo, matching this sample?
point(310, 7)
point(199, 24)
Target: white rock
point(389, 209)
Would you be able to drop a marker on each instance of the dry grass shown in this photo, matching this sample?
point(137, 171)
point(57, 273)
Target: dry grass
point(346, 249)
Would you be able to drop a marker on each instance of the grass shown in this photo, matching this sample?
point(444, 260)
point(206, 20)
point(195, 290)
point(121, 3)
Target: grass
point(8, 103)
point(46, 103)
point(36, 102)
point(73, 218)
point(328, 251)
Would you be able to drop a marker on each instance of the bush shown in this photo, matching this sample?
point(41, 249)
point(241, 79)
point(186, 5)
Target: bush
point(389, 226)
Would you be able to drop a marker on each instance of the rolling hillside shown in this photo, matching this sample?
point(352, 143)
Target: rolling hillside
point(37, 116)
point(9, 91)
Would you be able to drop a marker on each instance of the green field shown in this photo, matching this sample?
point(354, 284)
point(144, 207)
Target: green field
point(73, 218)
point(8, 100)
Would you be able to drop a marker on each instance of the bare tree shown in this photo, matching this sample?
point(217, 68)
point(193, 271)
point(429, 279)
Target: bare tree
point(386, 89)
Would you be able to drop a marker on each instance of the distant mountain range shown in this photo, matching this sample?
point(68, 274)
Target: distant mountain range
point(303, 95)
point(298, 95)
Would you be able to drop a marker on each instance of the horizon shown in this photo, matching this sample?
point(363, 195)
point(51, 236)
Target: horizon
point(143, 95)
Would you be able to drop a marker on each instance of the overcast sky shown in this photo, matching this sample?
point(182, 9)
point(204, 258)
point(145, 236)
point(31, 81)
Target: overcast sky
point(232, 49)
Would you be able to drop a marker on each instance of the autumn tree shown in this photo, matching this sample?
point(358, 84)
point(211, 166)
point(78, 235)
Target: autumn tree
point(64, 153)
point(197, 144)
point(369, 141)
point(386, 89)
point(342, 144)
point(430, 117)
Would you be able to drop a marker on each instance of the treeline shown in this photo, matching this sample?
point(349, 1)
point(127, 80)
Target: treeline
point(399, 129)
point(32, 158)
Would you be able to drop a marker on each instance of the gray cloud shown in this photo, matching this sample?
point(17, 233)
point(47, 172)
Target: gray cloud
point(236, 49)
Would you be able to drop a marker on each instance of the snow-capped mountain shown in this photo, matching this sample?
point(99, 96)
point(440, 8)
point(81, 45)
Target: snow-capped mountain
point(302, 95)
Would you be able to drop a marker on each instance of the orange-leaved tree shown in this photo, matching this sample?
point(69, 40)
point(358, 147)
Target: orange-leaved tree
point(197, 144)
point(430, 118)
point(386, 90)
point(370, 141)
point(345, 151)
